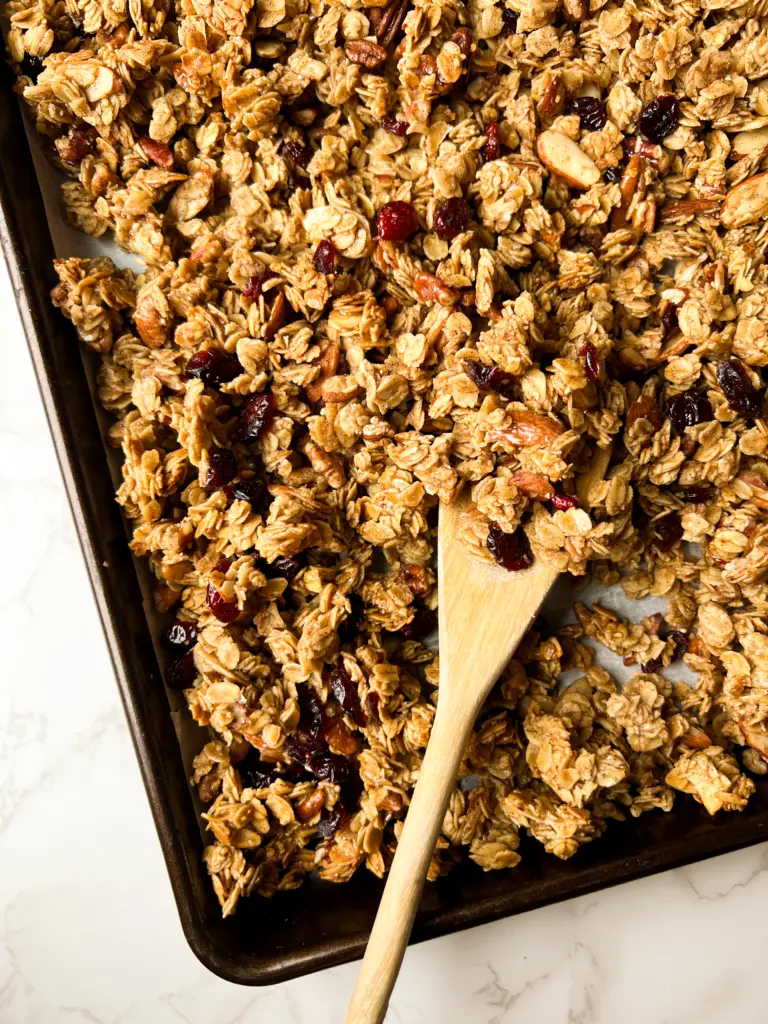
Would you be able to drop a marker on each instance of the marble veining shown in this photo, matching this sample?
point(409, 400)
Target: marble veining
point(89, 933)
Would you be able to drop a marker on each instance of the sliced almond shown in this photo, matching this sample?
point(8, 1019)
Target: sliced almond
point(756, 737)
point(747, 143)
point(746, 202)
point(527, 428)
point(566, 159)
point(688, 208)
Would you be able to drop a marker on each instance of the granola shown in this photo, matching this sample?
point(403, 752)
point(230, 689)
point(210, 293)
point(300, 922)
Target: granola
point(393, 251)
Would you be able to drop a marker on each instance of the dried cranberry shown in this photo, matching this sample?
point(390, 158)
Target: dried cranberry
point(696, 495)
point(394, 127)
point(509, 20)
point(668, 530)
point(396, 221)
point(670, 320)
point(351, 625)
point(660, 117)
point(687, 409)
point(422, 623)
point(613, 175)
point(182, 673)
point(592, 115)
point(31, 66)
point(511, 550)
point(254, 286)
point(492, 147)
point(653, 665)
point(330, 822)
point(225, 611)
point(588, 353)
point(679, 643)
point(489, 378)
point(222, 467)
point(256, 773)
point(301, 155)
point(345, 692)
point(324, 257)
point(451, 218)
point(285, 567)
point(563, 502)
point(253, 491)
point(741, 394)
point(223, 563)
point(181, 634)
point(214, 367)
point(256, 415)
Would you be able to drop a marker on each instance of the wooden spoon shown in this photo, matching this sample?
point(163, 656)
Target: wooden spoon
point(483, 613)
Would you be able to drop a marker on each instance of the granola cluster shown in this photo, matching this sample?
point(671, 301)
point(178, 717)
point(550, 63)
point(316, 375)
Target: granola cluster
point(395, 250)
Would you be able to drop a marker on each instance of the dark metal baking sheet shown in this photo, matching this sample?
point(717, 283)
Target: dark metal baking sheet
point(318, 925)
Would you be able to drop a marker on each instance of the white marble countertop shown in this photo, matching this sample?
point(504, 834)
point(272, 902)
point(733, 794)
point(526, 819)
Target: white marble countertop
point(89, 926)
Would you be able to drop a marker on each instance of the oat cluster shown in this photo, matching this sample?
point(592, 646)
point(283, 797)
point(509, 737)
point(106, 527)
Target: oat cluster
point(394, 250)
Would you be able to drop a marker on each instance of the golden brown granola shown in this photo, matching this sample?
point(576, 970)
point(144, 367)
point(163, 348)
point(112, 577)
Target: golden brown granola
point(393, 250)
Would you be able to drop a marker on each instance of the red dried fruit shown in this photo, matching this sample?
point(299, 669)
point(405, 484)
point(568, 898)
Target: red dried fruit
point(345, 692)
point(588, 353)
point(660, 117)
point(669, 321)
point(591, 112)
point(214, 367)
point(351, 625)
point(563, 502)
point(511, 550)
point(182, 673)
point(222, 468)
point(324, 257)
point(741, 394)
point(422, 623)
point(225, 611)
point(490, 378)
point(254, 772)
point(223, 563)
point(509, 20)
point(613, 175)
point(396, 221)
point(31, 66)
point(668, 530)
point(253, 491)
point(254, 286)
point(256, 415)
point(687, 409)
point(492, 147)
point(696, 495)
point(330, 822)
point(394, 127)
point(451, 218)
point(298, 153)
point(679, 643)
point(181, 634)
point(286, 567)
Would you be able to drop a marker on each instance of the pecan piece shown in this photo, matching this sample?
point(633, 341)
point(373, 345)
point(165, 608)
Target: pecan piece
point(277, 316)
point(79, 143)
point(431, 289)
point(391, 21)
point(329, 364)
point(157, 152)
point(644, 408)
point(527, 428)
point(463, 39)
point(630, 182)
point(366, 54)
point(652, 152)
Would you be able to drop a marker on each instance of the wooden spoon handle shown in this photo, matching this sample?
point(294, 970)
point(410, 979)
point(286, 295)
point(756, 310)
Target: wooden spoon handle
point(405, 882)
